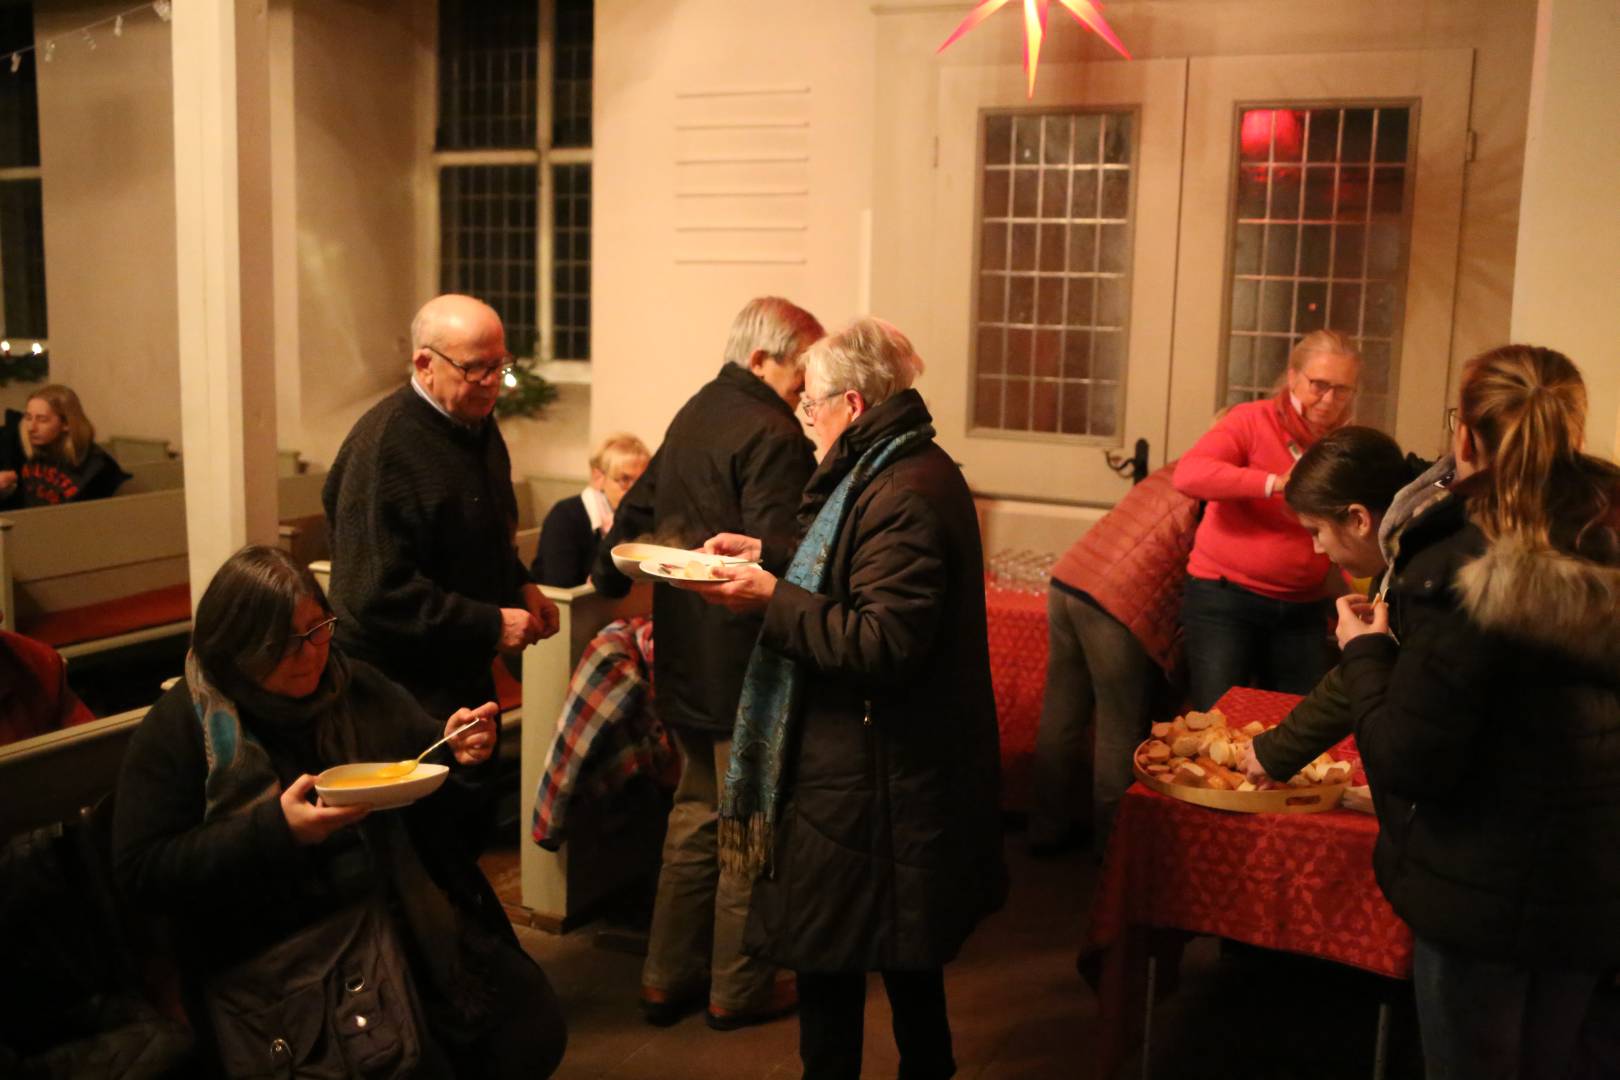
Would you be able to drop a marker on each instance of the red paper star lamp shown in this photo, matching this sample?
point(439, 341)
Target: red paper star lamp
point(1084, 11)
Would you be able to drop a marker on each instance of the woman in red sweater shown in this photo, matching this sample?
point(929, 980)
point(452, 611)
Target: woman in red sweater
point(1255, 609)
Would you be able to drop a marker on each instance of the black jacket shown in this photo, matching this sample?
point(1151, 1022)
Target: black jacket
point(567, 545)
point(734, 459)
point(423, 519)
point(888, 850)
point(1491, 737)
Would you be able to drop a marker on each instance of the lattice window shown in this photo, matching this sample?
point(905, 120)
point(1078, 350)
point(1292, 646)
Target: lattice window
point(514, 162)
point(1054, 272)
point(1320, 239)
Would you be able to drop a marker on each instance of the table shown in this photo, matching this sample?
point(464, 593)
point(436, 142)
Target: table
point(1299, 883)
point(1016, 626)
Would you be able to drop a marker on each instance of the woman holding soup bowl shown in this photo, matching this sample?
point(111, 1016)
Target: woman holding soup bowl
point(292, 908)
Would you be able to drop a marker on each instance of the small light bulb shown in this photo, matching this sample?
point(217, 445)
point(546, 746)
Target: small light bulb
point(50, 51)
point(511, 379)
point(118, 26)
point(5, 346)
point(36, 348)
point(16, 62)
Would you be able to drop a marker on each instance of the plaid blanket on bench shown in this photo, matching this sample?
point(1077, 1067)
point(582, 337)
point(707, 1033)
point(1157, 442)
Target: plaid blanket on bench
point(608, 732)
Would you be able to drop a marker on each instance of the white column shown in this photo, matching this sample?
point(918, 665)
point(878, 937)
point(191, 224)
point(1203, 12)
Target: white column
point(227, 383)
point(1566, 285)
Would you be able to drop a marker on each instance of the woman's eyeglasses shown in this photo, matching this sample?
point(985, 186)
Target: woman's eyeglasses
point(317, 635)
point(477, 373)
point(1322, 388)
point(810, 405)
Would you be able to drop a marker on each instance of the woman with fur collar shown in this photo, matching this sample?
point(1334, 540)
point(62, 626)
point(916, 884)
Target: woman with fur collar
point(1486, 697)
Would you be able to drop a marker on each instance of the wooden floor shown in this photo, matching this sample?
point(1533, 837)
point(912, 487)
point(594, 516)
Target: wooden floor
point(1018, 1008)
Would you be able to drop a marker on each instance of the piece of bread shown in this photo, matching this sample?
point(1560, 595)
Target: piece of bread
point(1191, 774)
point(1252, 728)
point(1186, 745)
point(1197, 721)
point(1157, 751)
point(1160, 731)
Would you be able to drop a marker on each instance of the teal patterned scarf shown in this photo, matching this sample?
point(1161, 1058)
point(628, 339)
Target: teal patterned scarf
point(769, 706)
point(240, 775)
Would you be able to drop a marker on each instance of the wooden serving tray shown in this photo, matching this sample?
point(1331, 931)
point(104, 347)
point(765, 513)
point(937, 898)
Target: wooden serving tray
point(1282, 800)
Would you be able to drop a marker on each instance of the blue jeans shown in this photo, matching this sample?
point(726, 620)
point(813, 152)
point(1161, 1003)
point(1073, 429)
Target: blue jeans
point(1239, 638)
point(1489, 1020)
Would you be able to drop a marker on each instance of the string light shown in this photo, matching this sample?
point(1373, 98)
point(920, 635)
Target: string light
point(36, 348)
point(5, 348)
point(163, 9)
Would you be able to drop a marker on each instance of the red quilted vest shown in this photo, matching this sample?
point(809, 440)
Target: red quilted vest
point(1134, 561)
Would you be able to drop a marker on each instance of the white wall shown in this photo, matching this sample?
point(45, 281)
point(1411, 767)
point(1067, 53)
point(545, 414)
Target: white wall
point(107, 160)
point(659, 322)
point(1568, 282)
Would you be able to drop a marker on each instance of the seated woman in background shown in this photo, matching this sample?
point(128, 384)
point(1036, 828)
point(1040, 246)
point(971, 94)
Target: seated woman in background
point(576, 525)
point(301, 918)
point(34, 694)
point(48, 454)
point(1256, 610)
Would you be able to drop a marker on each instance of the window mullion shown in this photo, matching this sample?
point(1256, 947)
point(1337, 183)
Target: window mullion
point(546, 345)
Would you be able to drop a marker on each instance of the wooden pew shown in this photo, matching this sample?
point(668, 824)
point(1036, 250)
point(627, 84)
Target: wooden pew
point(130, 450)
point(49, 777)
point(157, 475)
point(609, 848)
point(92, 576)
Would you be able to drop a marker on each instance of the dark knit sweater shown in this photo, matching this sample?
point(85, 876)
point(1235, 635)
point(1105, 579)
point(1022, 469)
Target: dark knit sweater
point(422, 519)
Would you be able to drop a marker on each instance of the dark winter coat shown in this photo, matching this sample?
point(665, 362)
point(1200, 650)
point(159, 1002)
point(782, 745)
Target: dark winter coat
point(734, 459)
point(888, 847)
point(422, 518)
point(1491, 737)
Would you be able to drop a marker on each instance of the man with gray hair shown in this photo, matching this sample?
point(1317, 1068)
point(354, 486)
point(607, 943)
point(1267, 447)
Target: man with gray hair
point(734, 459)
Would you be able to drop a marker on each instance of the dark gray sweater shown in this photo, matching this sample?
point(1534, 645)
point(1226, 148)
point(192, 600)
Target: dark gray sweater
point(422, 519)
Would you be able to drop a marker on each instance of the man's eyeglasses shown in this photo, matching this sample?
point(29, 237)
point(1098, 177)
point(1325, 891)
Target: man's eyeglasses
point(809, 405)
point(1322, 388)
point(480, 372)
point(1452, 416)
point(317, 635)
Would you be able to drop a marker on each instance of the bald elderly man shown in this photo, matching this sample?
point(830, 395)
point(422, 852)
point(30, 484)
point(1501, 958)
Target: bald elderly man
point(426, 582)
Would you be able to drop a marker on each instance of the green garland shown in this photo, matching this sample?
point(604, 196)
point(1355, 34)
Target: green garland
point(27, 367)
point(529, 397)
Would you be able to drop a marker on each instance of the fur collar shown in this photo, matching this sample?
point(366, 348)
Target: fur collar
point(1546, 598)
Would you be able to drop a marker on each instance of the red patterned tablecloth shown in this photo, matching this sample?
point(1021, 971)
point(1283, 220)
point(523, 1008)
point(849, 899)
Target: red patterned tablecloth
point(1300, 883)
point(1016, 622)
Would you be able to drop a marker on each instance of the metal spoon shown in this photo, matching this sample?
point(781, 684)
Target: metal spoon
point(405, 768)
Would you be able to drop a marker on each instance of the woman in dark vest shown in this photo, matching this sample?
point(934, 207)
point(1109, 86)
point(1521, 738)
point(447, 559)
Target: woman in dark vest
point(864, 783)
